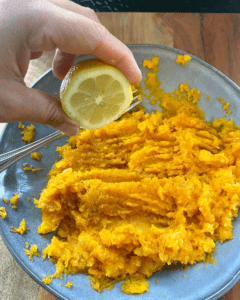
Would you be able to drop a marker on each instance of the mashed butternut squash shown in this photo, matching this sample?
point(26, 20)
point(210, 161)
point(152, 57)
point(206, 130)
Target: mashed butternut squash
point(3, 212)
point(68, 284)
point(30, 168)
point(36, 155)
point(14, 200)
point(4, 199)
point(142, 192)
point(32, 251)
point(27, 132)
point(183, 59)
point(225, 105)
point(22, 228)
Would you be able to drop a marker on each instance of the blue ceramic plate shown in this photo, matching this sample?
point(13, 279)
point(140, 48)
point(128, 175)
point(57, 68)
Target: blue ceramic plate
point(201, 282)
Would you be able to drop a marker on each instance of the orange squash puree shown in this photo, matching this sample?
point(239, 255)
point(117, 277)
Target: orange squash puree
point(135, 285)
point(4, 199)
point(183, 59)
point(30, 168)
point(47, 280)
point(3, 212)
point(22, 228)
point(68, 284)
point(32, 251)
point(36, 155)
point(142, 192)
point(183, 92)
point(14, 200)
point(151, 64)
point(27, 132)
point(225, 105)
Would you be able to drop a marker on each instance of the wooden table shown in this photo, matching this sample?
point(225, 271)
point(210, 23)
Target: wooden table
point(215, 38)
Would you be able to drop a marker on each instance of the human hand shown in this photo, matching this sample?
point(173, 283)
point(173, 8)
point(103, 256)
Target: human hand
point(29, 27)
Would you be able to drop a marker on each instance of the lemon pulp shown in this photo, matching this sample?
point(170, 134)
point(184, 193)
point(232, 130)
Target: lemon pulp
point(94, 93)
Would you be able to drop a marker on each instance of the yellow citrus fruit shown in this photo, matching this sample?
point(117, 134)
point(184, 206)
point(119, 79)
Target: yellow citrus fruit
point(94, 93)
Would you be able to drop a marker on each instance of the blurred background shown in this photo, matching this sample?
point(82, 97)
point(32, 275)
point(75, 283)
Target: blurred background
point(200, 6)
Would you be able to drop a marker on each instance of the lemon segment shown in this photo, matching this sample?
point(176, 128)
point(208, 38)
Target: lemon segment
point(94, 93)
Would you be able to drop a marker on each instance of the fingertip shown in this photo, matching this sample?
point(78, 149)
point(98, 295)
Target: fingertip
point(131, 70)
point(35, 55)
point(57, 74)
point(69, 128)
point(136, 77)
point(136, 74)
point(62, 62)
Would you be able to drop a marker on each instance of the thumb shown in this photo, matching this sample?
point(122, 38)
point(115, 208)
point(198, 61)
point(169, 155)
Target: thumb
point(20, 103)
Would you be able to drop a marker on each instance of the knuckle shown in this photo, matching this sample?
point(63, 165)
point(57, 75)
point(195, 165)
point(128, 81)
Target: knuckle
point(90, 11)
point(91, 14)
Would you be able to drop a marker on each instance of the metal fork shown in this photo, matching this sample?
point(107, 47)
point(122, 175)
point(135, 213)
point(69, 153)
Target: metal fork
point(9, 158)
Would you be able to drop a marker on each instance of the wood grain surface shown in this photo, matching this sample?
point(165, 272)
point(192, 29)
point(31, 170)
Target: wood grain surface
point(214, 38)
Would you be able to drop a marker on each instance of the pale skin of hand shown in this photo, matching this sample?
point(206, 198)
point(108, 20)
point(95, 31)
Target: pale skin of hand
point(29, 27)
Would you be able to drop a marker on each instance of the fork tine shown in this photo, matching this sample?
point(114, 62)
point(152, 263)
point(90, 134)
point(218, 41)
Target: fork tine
point(135, 97)
point(135, 101)
point(133, 104)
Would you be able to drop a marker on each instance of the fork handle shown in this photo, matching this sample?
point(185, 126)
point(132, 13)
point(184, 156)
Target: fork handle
point(9, 158)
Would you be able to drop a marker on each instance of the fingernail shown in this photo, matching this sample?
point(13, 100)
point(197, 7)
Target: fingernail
point(69, 129)
point(138, 77)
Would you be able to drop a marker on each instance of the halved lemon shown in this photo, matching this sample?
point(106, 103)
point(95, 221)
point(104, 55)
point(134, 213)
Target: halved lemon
point(94, 93)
